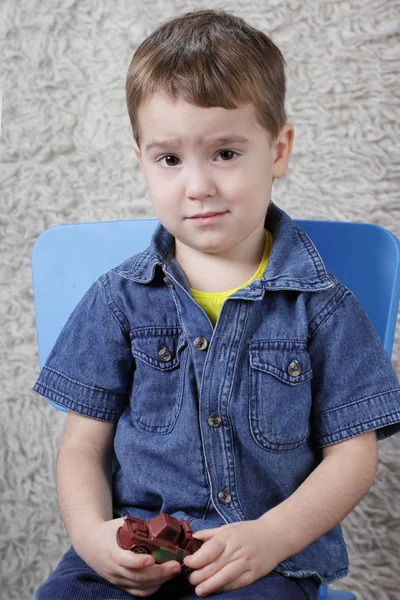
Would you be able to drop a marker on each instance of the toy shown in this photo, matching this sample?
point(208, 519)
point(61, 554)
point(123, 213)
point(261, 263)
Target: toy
point(164, 537)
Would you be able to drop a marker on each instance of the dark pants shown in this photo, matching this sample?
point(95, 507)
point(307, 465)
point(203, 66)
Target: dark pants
point(75, 580)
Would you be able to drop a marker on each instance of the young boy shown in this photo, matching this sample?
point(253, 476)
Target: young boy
point(222, 375)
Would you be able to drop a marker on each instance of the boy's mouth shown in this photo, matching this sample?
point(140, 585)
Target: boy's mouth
point(208, 217)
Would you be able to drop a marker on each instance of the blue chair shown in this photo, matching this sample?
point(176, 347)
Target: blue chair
point(66, 259)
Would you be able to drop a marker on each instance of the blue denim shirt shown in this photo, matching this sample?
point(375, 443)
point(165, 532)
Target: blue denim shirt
point(218, 425)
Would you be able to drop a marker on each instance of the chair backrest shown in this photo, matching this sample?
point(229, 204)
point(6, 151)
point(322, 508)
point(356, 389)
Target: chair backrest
point(66, 259)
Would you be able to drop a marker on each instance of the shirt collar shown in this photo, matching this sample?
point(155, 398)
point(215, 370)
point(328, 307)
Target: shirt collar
point(294, 263)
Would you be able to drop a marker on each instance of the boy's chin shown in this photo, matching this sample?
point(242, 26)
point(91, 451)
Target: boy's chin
point(211, 249)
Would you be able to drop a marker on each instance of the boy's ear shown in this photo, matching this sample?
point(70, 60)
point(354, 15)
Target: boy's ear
point(282, 150)
point(137, 152)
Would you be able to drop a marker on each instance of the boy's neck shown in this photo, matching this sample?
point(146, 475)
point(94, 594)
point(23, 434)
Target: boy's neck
point(208, 272)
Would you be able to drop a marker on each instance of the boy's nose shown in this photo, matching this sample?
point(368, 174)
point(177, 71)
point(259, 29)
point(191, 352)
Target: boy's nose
point(200, 185)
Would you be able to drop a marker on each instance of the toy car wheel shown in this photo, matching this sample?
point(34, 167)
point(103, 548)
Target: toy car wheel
point(140, 550)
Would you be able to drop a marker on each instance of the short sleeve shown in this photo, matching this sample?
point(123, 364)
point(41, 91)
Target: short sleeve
point(90, 368)
point(355, 388)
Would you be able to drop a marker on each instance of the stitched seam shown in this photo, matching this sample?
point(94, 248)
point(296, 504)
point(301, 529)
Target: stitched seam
point(55, 395)
point(350, 431)
point(355, 402)
point(148, 360)
point(159, 329)
point(84, 385)
point(335, 302)
point(360, 424)
point(311, 252)
point(233, 481)
point(110, 300)
point(272, 341)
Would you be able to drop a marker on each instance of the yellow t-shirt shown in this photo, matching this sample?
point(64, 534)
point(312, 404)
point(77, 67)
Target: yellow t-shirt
point(211, 302)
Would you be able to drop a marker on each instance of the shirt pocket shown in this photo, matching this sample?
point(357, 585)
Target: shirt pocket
point(158, 378)
point(279, 393)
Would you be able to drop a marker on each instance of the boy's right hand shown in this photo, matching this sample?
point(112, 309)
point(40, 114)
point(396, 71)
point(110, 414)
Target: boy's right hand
point(137, 574)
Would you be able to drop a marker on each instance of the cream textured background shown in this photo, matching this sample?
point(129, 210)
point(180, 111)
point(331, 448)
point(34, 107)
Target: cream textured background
point(66, 157)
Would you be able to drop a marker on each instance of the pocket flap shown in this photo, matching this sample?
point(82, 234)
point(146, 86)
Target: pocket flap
point(288, 360)
point(159, 347)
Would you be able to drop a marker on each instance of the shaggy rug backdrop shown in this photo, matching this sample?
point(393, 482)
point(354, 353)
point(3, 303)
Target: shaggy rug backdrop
point(66, 156)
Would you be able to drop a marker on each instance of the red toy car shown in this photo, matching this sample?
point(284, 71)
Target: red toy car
point(164, 537)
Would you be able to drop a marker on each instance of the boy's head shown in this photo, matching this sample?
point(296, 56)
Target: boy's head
point(209, 58)
point(205, 95)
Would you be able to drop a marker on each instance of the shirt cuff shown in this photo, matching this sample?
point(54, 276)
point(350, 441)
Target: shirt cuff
point(87, 400)
point(380, 412)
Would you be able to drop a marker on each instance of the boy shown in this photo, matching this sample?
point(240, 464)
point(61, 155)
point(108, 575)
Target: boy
point(222, 375)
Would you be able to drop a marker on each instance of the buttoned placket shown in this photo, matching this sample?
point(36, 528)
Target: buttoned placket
point(214, 357)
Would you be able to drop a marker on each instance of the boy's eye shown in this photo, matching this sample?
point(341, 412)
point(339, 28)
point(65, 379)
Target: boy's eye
point(227, 154)
point(170, 160)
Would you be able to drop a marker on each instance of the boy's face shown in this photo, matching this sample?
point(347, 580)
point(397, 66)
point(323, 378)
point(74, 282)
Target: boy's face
point(209, 161)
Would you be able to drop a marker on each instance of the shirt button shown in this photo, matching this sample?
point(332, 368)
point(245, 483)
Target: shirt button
point(164, 355)
point(294, 369)
point(200, 343)
point(214, 421)
point(224, 497)
point(168, 282)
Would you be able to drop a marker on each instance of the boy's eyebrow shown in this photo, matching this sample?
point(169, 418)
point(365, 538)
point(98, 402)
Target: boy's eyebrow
point(220, 140)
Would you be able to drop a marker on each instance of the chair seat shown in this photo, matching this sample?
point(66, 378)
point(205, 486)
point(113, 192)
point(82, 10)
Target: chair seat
point(326, 594)
point(339, 595)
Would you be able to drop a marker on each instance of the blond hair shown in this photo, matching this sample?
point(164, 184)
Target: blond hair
point(210, 58)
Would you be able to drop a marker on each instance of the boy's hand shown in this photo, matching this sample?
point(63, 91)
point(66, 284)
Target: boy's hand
point(137, 574)
point(232, 557)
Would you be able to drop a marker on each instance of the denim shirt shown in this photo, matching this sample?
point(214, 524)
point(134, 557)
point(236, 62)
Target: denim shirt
point(217, 425)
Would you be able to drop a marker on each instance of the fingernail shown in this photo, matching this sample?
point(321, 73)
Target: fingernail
point(148, 562)
point(176, 569)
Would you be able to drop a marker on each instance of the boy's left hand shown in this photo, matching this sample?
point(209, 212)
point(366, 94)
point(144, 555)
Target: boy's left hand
point(232, 557)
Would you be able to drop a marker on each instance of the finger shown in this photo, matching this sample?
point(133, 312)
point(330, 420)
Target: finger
point(168, 569)
point(224, 578)
point(200, 575)
point(156, 573)
point(126, 583)
point(206, 534)
point(131, 560)
point(172, 565)
point(209, 552)
point(243, 580)
point(140, 580)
